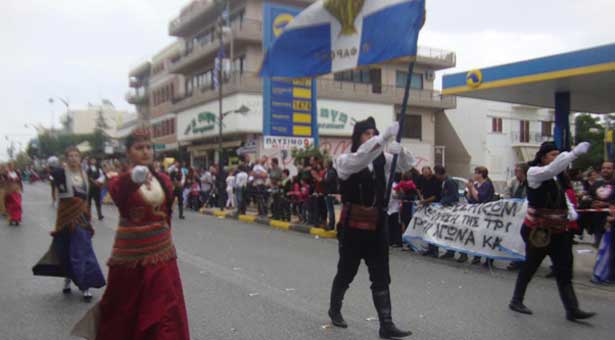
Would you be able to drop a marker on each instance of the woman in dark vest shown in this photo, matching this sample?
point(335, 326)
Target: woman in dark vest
point(361, 230)
point(545, 228)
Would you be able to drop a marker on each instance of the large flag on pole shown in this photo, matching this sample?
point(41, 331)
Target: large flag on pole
point(336, 35)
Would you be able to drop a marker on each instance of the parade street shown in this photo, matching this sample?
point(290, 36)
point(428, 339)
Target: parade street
point(246, 281)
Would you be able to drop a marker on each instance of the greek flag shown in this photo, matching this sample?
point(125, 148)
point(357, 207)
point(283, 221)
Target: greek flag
point(217, 67)
point(336, 35)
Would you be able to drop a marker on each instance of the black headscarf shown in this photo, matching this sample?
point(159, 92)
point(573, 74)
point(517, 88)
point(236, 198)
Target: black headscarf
point(545, 148)
point(358, 130)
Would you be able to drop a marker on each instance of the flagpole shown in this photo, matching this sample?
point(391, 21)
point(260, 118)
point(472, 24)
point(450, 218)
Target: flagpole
point(402, 119)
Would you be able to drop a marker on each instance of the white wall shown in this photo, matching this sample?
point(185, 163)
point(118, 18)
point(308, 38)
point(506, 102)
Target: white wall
point(472, 121)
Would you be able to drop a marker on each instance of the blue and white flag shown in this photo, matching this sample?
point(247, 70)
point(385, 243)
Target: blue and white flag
point(335, 35)
point(217, 67)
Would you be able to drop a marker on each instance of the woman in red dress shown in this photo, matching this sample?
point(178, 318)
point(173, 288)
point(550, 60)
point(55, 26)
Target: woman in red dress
point(144, 298)
point(12, 200)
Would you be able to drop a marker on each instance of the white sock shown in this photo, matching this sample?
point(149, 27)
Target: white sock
point(66, 283)
point(87, 292)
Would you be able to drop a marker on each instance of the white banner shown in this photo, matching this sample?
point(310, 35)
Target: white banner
point(286, 143)
point(489, 229)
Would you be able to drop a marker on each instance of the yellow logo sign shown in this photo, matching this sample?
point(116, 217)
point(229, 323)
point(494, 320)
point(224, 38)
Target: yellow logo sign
point(280, 22)
point(345, 11)
point(474, 78)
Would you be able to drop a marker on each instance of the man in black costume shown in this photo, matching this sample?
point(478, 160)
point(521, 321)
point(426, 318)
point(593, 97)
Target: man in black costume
point(96, 177)
point(362, 230)
point(545, 229)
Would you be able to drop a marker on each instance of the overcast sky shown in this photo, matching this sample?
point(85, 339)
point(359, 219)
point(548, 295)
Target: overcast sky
point(83, 49)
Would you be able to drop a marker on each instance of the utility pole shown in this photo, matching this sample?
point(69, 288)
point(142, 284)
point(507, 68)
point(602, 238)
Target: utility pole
point(220, 94)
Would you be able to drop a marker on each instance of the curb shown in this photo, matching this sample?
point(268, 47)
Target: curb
point(275, 224)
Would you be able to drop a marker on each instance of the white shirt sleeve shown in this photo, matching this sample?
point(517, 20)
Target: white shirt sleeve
point(351, 163)
point(538, 174)
point(101, 176)
point(405, 162)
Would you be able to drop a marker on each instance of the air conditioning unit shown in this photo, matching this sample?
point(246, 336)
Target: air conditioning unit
point(430, 75)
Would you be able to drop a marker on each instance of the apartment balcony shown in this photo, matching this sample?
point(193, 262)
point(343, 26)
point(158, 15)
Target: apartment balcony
point(246, 31)
point(435, 58)
point(245, 83)
point(192, 17)
point(327, 89)
point(142, 70)
point(384, 94)
point(136, 97)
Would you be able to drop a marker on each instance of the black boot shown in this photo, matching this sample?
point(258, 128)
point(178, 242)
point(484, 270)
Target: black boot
point(335, 307)
point(516, 303)
point(388, 330)
point(569, 298)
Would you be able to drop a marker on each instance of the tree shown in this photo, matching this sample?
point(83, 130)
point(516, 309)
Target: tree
point(47, 144)
point(589, 129)
point(100, 135)
point(22, 160)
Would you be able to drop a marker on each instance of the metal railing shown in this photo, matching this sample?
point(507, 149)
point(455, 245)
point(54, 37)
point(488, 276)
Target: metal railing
point(246, 28)
point(390, 94)
point(190, 11)
point(448, 57)
point(532, 138)
point(327, 88)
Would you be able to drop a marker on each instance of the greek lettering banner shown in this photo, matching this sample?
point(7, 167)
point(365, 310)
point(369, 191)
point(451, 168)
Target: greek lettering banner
point(489, 229)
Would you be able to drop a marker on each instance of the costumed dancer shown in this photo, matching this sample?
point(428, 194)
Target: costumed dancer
point(97, 180)
point(545, 228)
point(179, 180)
point(12, 198)
point(362, 230)
point(3, 184)
point(71, 254)
point(144, 298)
point(52, 163)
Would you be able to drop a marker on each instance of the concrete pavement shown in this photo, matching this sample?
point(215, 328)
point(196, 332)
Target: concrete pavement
point(246, 281)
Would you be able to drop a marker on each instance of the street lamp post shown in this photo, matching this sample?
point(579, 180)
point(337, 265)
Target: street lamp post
point(66, 104)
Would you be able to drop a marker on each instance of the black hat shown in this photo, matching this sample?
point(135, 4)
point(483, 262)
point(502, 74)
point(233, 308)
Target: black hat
point(358, 130)
point(545, 148)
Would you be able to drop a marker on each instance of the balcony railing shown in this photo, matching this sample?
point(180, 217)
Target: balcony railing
point(536, 138)
point(246, 82)
point(327, 89)
point(436, 55)
point(136, 97)
point(247, 29)
point(387, 94)
point(189, 12)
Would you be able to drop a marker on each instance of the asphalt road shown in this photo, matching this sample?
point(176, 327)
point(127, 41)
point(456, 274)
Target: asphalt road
point(247, 281)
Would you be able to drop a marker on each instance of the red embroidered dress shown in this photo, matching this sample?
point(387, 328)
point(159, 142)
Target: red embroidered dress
point(144, 298)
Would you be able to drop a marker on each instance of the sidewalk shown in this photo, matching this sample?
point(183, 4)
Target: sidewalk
point(251, 217)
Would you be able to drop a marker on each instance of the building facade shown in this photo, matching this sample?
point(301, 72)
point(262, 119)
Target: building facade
point(492, 134)
point(343, 98)
point(86, 120)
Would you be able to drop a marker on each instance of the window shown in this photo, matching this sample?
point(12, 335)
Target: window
point(496, 125)
point(189, 86)
point(415, 83)
point(547, 129)
point(239, 64)
point(524, 131)
point(357, 76)
point(413, 127)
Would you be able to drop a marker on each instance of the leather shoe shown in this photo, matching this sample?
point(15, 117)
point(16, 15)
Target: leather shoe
point(519, 307)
